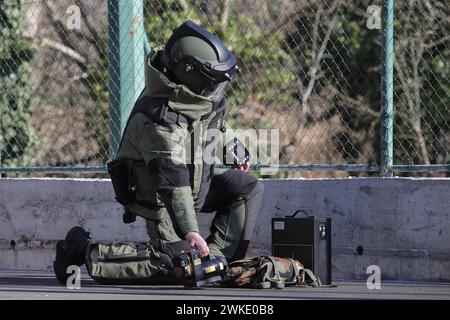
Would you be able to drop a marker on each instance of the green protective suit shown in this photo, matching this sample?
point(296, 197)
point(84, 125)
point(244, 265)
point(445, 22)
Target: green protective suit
point(173, 135)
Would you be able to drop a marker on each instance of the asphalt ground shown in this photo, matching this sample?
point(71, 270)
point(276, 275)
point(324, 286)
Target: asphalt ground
point(34, 285)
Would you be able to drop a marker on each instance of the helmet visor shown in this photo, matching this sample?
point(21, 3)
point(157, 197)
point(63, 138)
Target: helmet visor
point(218, 72)
point(215, 91)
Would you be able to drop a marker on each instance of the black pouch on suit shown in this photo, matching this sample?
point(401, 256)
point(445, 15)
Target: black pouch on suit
point(121, 173)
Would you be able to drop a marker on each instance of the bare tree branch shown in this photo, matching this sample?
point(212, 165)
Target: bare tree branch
point(62, 32)
point(435, 43)
point(402, 77)
point(412, 92)
point(316, 62)
point(49, 43)
point(183, 5)
point(417, 119)
point(316, 59)
point(94, 33)
point(354, 104)
point(225, 13)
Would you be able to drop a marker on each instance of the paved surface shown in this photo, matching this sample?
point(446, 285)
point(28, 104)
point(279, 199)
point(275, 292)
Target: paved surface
point(43, 285)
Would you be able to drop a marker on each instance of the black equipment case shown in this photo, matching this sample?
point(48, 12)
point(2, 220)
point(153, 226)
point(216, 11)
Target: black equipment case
point(306, 239)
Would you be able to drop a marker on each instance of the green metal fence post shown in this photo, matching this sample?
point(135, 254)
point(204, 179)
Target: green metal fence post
point(1, 149)
point(387, 90)
point(127, 48)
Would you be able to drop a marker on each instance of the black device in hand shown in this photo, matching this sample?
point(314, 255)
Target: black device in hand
point(235, 153)
point(196, 271)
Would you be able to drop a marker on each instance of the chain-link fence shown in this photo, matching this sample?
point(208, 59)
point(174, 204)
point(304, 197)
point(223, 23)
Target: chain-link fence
point(53, 80)
point(422, 85)
point(310, 69)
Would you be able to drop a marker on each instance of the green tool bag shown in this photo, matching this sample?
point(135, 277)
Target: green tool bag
point(128, 263)
point(266, 272)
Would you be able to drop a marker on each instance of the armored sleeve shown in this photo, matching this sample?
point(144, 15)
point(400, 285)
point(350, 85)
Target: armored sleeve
point(162, 148)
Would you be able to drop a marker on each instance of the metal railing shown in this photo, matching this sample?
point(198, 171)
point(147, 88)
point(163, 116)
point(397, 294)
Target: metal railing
point(358, 86)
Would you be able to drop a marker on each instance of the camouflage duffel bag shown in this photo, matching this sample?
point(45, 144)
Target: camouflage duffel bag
point(128, 263)
point(266, 272)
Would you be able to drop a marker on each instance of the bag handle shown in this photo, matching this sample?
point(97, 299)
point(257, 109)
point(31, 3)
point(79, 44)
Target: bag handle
point(296, 212)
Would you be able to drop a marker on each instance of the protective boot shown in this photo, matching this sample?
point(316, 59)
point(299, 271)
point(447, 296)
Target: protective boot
point(70, 251)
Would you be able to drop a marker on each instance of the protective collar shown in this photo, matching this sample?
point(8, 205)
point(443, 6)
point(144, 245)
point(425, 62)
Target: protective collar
point(181, 99)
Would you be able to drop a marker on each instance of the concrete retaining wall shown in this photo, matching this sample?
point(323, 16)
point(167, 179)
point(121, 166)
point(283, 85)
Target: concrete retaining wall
point(400, 224)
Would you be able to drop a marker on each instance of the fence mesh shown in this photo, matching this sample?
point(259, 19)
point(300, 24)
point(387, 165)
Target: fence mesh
point(53, 75)
point(422, 86)
point(309, 68)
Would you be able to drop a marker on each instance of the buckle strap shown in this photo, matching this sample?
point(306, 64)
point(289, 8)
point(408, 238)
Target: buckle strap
point(158, 111)
point(169, 116)
point(141, 249)
point(163, 113)
point(315, 281)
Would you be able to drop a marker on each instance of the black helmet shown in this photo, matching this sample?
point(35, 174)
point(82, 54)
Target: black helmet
point(199, 60)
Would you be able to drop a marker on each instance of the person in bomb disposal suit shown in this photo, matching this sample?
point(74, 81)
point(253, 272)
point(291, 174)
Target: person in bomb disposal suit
point(164, 146)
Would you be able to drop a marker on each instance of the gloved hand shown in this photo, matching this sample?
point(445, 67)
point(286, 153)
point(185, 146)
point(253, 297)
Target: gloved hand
point(245, 167)
point(195, 240)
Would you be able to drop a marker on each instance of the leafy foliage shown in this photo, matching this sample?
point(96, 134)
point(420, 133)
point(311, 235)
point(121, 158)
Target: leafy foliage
point(16, 100)
point(260, 54)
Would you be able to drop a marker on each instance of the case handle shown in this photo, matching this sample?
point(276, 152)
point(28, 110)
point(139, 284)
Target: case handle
point(296, 212)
